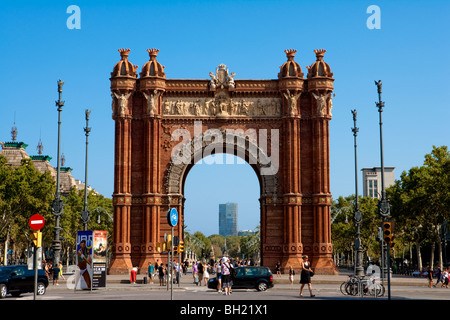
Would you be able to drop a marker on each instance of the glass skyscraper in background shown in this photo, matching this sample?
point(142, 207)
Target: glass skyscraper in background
point(228, 225)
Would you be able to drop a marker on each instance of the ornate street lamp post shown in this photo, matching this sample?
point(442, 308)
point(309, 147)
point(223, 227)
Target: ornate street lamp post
point(359, 269)
point(383, 205)
point(384, 208)
point(57, 205)
point(85, 214)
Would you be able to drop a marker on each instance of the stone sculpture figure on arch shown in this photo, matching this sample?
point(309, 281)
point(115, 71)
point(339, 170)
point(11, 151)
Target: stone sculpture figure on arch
point(321, 100)
point(292, 101)
point(151, 101)
point(122, 100)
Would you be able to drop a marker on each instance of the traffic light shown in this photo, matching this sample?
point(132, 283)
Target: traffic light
point(175, 250)
point(181, 246)
point(387, 232)
point(169, 242)
point(36, 236)
point(158, 247)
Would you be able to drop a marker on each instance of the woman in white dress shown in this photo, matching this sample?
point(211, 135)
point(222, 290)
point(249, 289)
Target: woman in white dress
point(206, 274)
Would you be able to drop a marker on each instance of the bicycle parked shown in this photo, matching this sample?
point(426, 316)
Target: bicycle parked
point(368, 286)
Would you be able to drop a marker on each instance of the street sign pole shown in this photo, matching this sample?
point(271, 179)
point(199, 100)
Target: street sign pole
point(35, 271)
point(36, 222)
point(172, 220)
point(171, 267)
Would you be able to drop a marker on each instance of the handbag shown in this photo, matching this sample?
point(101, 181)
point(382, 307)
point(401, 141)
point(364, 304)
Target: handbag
point(311, 273)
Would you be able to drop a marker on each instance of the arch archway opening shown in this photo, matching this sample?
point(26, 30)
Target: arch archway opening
point(221, 203)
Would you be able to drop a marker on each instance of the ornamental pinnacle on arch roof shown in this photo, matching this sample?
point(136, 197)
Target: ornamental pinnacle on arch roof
point(320, 53)
point(290, 68)
point(152, 67)
point(124, 53)
point(153, 52)
point(290, 53)
point(319, 68)
point(124, 67)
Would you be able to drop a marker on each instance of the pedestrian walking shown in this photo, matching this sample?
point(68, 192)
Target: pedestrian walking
point(161, 274)
point(61, 271)
point(291, 275)
point(445, 276)
point(133, 275)
point(438, 276)
point(430, 277)
point(226, 277)
point(200, 273)
point(206, 274)
point(48, 270)
point(278, 269)
point(305, 276)
point(195, 272)
point(151, 270)
point(55, 272)
point(185, 266)
point(219, 276)
point(177, 272)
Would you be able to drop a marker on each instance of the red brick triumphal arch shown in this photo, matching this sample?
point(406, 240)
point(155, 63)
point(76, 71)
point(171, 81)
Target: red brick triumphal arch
point(280, 127)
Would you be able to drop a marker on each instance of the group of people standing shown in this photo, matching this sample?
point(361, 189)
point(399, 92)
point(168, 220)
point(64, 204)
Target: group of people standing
point(162, 271)
point(53, 272)
point(441, 276)
point(201, 273)
point(223, 268)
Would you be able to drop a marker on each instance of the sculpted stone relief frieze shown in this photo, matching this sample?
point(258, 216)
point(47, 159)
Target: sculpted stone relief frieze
point(221, 106)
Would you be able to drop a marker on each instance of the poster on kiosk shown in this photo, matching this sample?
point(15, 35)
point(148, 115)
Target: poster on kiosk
point(91, 259)
point(99, 258)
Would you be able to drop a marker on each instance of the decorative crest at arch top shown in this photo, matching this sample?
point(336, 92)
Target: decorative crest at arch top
point(222, 78)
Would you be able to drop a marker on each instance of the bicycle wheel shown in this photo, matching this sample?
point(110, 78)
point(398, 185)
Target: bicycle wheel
point(377, 290)
point(365, 288)
point(381, 289)
point(352, 288)
point(343, 287)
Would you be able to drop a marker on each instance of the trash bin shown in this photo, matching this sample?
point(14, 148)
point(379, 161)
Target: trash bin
point(145, 280)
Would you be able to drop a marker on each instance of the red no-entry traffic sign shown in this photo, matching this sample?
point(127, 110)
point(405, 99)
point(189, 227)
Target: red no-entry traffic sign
point(36, 222)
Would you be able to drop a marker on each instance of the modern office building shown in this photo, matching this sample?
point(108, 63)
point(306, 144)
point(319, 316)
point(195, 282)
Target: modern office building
point(372, 180)
point(228, 214)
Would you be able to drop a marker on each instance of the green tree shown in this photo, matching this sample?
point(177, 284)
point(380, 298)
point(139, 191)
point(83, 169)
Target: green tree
point(24, 192)
point(251, 245)
point(420, 202)
point(71, 218)
point(343, 228)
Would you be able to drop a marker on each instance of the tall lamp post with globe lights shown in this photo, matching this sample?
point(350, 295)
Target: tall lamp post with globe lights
point(357, 216)
point(383, 205)
point(85, 214)
point(57, 205)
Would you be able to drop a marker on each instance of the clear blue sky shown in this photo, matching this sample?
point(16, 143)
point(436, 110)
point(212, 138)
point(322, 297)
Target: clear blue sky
point(409, 54)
